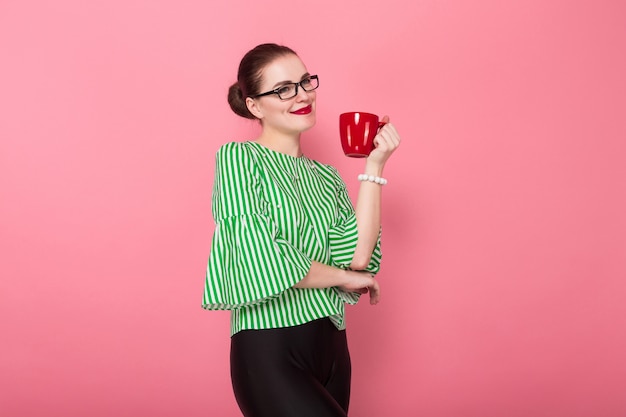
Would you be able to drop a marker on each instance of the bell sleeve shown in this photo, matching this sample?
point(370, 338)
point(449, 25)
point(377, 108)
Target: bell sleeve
point(249, 262)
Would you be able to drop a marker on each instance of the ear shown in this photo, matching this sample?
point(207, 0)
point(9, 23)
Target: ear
point(254, 108)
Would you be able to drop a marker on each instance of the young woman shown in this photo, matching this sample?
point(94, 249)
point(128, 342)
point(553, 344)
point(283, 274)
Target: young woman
point(289, 250)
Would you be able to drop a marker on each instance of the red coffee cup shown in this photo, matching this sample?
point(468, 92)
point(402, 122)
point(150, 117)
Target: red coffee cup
point(357, 131)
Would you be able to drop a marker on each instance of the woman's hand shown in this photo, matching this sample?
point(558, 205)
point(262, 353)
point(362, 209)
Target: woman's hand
point(362, 282)
point(386, 142)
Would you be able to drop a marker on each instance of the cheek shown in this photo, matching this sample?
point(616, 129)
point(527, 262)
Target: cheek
point(274, 109)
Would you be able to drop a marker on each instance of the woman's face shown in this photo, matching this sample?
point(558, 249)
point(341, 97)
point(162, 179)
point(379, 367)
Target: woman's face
point(291, 116)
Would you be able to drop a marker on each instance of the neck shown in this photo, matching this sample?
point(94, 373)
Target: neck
point(281, 142)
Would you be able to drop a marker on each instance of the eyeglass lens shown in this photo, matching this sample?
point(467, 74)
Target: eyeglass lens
point(290, 90)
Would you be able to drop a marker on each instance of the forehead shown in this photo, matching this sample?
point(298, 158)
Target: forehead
point(284, 68)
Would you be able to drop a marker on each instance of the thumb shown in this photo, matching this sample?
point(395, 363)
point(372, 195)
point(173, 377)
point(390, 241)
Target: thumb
point(385, 119)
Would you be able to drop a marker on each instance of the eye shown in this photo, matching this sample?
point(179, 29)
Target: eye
point(285, 89)
point(306, 83)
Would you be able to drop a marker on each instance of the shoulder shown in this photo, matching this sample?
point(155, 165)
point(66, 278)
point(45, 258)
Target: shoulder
point(233, 149)
point(235, 155)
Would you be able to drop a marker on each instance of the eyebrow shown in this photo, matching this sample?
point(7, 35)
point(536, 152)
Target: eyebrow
point(306, 74)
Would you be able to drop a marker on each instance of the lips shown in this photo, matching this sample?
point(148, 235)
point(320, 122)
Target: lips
point(304, 110)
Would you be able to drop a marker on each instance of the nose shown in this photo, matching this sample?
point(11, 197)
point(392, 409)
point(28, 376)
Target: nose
point(302, 94)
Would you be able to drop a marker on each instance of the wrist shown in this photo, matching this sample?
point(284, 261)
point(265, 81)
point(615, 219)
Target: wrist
point(344, 277)
point(374, 168)
point(372, 178)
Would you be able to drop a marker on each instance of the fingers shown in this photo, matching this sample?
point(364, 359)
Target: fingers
point(387, 139)
point(389, 132)
point(374, 291)
point(364, 283)
point(385, 143)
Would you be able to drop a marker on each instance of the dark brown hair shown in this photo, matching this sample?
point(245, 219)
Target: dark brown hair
point(249, 75)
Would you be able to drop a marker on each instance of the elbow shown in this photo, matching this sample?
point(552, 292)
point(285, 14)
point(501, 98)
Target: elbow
point(359, 263)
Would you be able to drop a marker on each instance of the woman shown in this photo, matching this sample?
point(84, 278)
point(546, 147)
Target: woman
point(289, 250)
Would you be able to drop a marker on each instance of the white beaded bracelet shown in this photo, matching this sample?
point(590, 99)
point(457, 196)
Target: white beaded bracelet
point(372, 178)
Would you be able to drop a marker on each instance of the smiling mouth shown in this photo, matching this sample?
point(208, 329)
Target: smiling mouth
point(304, 110)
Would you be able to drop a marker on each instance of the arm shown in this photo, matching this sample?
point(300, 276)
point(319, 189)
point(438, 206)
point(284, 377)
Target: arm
point(369, 199)
point(325, 276)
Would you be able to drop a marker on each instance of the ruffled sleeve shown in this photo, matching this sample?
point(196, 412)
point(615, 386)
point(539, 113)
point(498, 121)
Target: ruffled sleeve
point(249, 262)
point(343, 234)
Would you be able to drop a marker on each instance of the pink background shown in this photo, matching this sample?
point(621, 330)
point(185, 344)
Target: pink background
point(504, 218)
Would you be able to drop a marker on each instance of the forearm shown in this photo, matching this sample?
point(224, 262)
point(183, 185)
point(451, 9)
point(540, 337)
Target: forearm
point(323, 276)
point(368, 208)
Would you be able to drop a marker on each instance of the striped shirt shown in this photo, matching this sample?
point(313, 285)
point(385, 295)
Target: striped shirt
point(274, 215)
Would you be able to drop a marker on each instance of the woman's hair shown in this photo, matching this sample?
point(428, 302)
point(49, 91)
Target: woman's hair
point(249, 75)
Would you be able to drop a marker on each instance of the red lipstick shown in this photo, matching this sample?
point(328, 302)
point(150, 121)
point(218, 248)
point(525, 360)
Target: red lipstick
point(304, 110)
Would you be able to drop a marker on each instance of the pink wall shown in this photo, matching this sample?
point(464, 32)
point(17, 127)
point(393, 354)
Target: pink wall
point(504, 225)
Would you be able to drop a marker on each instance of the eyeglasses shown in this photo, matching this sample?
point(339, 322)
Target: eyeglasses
point(290, 90)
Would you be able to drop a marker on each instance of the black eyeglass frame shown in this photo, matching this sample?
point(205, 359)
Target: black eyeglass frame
point(299, 84)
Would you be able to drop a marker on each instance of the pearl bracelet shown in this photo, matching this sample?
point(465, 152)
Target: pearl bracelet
point(372, 178)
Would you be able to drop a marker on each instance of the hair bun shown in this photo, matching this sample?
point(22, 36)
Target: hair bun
point(237, 102)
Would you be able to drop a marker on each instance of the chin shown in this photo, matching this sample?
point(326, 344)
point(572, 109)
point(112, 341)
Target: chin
point(310, 123)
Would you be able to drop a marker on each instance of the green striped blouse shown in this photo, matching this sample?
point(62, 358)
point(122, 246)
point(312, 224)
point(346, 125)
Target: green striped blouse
point(274, 214)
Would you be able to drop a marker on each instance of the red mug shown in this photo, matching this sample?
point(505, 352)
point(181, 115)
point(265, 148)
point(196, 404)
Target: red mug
point(357, 131)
